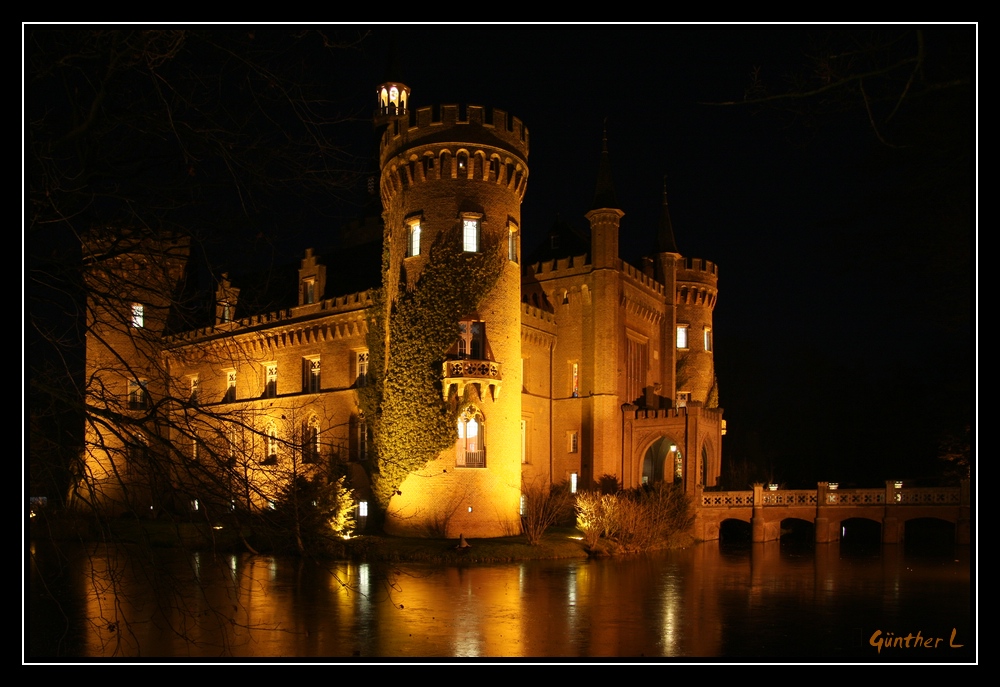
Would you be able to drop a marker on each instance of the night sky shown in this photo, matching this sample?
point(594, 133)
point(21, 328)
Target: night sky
point(843, 330)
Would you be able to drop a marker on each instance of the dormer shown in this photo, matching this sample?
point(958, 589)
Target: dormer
point(226, 296)
point(312, 279)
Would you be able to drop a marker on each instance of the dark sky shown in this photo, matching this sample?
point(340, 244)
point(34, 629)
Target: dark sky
point(844, 321)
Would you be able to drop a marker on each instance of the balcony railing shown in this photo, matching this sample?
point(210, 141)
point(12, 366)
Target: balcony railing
point(460, 373)
point(474, 459)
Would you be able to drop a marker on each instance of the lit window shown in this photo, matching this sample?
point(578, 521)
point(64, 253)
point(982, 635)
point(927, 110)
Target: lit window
point(195, 386)
point(682, 336)
point(362, 509)
point(470, 235)
point(137, 394)
point(308, 291)
point(472, 339)
point(708, 338)
point(471, 444)
point(413, 240)
point(230, 386)
point(576, 380)
point(573, 478)
point(271, 380)
point(512, 243)
point(310, 375)
point(524, 504)
point(362, 368)
point(271, 446)
point(194, 448)
point(227, 312)
point(572, 442)
point(682, 398)
point(138, 311)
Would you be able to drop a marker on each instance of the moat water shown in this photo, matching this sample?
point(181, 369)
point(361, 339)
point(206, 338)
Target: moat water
point(776, 602)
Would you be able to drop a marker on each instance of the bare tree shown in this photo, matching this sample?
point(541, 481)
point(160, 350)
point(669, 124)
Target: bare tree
point(155, 157)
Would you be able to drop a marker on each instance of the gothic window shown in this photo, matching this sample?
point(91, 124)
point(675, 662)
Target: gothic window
point(230, 386)
point(470, 235)
point(361, 369)
point(682, 336)
point(270, 380)
point(472, 339)
point(138, 396)
point(271, 445)
point(359, 438)
point(310, 375)
point(471, 449)
point(138, 315)
point(310, 442)
point(636, 364)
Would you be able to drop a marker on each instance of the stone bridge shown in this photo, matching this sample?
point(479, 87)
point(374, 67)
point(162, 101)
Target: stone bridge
point(827, 507)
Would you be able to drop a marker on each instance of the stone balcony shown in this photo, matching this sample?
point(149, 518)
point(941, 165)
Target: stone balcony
point(460, 373)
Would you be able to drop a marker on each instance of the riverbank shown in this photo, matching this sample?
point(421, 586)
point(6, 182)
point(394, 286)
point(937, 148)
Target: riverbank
point(556, 543)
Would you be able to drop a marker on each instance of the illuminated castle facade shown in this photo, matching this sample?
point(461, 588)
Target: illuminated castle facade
point(572, 369)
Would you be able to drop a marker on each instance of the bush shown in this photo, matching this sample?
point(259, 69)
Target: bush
point(543, 507)
point(634, 520)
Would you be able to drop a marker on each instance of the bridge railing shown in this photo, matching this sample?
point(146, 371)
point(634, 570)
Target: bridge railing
point(924, 496)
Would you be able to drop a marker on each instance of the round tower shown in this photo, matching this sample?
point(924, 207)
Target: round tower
point(696, 289)
point(452, 181)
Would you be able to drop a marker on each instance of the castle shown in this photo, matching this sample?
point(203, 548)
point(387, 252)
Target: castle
point(575, 368)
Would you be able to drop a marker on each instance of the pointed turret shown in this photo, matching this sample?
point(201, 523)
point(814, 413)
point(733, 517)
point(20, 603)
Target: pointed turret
point(665, 242)
point(605, 215)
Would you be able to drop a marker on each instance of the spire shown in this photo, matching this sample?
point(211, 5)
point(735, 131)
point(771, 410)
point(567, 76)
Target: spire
point(604, 196)
point(665, 242)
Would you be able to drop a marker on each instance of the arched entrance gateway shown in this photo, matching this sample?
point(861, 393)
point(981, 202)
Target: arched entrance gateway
point(671, 444)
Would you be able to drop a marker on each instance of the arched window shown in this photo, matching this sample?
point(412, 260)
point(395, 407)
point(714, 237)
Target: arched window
point(310, 441)
point(471, 447)
point(271, 445)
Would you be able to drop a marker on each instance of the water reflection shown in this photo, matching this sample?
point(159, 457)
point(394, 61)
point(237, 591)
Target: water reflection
point(760, 600)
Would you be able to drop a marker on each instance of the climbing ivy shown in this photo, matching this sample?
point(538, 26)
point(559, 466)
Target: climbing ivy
point(409, 332)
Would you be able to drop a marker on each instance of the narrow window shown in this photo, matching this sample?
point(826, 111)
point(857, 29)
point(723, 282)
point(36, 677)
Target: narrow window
point(573, 479)
point(470, 235)
point(271, 380)
point(310, 442)
point(310, 375)
point(138, 316)
point(524, 442)
point(413, 240)
point(194, 448)
point(471, 439)
point(308, 291)
point(361, 369)
point(227, 312)
point(576, 380)
point(708, 338)
point(195, 386)
point(682, 336)
point(230, 386)
point(572, 442)
point(362, 509)
point(271, 446)
point(472, 339)
point(362, 439)
point(512, 244)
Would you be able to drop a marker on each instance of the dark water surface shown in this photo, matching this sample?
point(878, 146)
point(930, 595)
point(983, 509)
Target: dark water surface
point(769, 602)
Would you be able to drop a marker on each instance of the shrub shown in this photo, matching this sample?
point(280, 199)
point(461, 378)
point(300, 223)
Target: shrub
point(634, 520)
point(543, 507)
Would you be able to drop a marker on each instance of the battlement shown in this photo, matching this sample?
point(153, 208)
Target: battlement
point(697, 269)
point(642, 278)
point(479, 125)
point(330, 306)
point(551, 268)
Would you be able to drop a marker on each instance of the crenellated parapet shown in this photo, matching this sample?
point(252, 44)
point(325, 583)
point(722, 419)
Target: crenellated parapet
point(643, 279)
point(697, 283)
point(561, 267)
point(471, 143)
